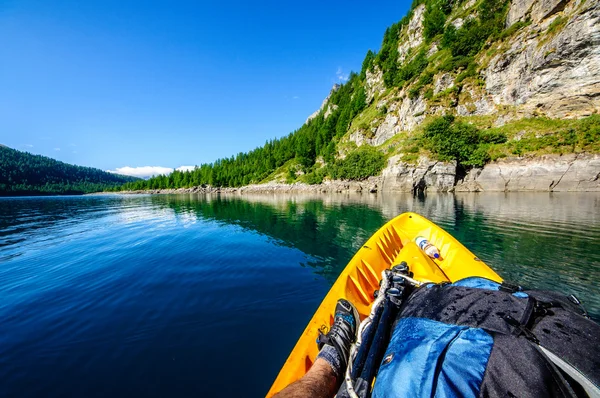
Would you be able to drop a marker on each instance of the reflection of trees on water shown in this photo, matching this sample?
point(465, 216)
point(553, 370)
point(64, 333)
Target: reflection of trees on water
point(329, 231)
point(543, 240)
point(539, 240)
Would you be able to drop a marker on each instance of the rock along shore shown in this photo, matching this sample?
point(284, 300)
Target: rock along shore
point(547, 173)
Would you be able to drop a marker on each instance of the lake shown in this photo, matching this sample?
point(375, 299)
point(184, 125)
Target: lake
point(206, 295)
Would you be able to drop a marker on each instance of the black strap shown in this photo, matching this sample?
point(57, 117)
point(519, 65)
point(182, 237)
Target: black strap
point(509, 287)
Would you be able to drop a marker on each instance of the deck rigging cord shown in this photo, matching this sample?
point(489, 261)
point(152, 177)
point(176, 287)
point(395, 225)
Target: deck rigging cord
point(391, 291)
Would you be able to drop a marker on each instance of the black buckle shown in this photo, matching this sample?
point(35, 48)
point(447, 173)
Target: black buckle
point(522, 329)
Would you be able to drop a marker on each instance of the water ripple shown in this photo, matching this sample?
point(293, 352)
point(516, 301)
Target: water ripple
point(169, 295)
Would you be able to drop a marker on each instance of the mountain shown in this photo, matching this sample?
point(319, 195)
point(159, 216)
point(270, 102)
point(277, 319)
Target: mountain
point(468, 95)
point(22, 173)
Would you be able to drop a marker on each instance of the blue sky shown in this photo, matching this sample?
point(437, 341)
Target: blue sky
point(110, 84)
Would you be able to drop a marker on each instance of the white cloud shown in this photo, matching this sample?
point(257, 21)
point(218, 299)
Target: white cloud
point(148, 171)
point(341, 75)
point(57, 149)
point(141, 172)
point(295, 97)
point(28, 146)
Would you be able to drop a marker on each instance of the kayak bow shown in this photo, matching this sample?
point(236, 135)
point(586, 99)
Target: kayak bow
point(390, 245)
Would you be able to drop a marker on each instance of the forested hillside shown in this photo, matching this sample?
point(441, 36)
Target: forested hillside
point(22, 173)
point(465, 82)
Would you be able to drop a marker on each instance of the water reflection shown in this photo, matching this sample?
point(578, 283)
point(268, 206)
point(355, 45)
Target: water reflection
point(539, 240)
point(543, 240)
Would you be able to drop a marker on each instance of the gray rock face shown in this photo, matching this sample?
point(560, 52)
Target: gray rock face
point(443, 82)
point(402, 116)
point(427, 175)
point(558, 76)
point(543, 9)
point(411, 113)
point(387, 129)
point(537, 10)
point(414, 32)
point(479, 104)
point(518, 11)
point(572, 172)
point(458, 23)
point(374, 83)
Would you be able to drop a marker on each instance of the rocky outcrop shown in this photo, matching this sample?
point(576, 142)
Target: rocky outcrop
point(443, 82)
point(401, 116)
point(572, 172)
point(388, 128)
point(374, 82)
point(411, 112)
point(414, 33)
point(427, 175)
point(556, 74)
point(478, 103)
point(536, 10)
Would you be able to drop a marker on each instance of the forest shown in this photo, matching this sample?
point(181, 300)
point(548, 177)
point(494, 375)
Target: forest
point(22, 173)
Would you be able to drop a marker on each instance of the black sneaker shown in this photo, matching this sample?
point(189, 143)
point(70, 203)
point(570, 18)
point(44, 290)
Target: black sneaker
point(343, 332)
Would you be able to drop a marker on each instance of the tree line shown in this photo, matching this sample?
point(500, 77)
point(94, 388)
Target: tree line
point(22, 173)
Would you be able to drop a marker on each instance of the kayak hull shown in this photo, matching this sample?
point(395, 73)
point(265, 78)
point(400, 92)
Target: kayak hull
point(389, 246)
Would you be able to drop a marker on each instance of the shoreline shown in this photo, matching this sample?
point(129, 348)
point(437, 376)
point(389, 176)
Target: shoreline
point(576, 172)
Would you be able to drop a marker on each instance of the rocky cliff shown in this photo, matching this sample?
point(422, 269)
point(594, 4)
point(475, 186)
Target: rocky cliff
point(550, 67)
point(547, 65)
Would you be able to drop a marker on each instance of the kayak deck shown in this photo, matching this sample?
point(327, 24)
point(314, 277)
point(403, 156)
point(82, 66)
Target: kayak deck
point(390, 245)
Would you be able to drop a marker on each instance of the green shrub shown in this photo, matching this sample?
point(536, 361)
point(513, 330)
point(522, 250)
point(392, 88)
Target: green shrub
point(512, 29)
point(493, 137)
point(462, 142)
point(410, 158)
point(433, 21)
point(426, 78)
point(414, 92)
point(457, 62)
point(472, 35)
point(558, 23)
point(412, 69)
point(479, 157)
point(291, 174)
point(314, 177)
point(360, 164)
point(412, 149)
point(590, 130)
point(467, 40)
point(471, 71)
point(428, 94)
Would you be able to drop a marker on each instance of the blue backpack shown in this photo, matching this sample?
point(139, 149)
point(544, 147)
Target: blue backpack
point(478, 338)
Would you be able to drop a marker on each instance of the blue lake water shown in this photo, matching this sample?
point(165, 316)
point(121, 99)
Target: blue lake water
point(206, 295)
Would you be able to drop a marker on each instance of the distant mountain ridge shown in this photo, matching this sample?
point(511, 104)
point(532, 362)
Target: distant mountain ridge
point(22, 173)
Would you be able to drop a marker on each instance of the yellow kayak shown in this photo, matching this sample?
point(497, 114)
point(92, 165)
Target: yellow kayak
point(392, 244)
